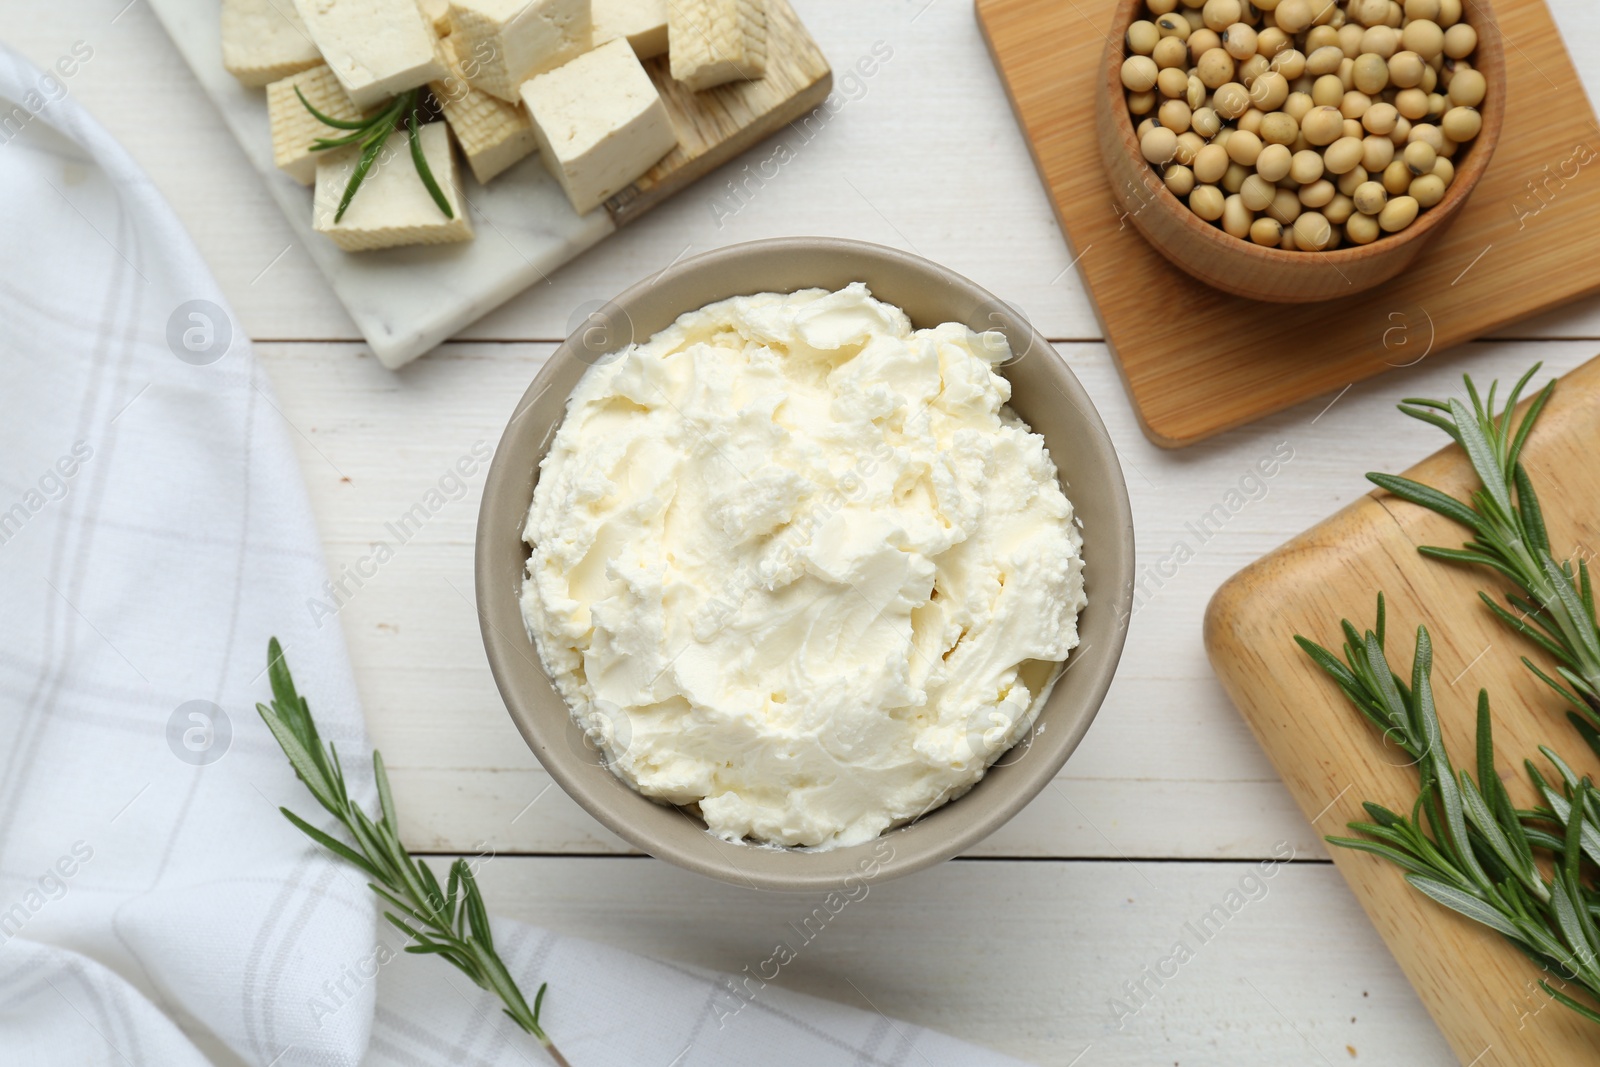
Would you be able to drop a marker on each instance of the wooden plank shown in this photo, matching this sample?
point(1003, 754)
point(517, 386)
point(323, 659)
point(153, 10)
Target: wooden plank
point(1028, 958)
point(1196, 361)
point(1473, 982)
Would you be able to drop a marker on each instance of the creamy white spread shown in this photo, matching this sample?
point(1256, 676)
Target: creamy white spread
point(797, 564)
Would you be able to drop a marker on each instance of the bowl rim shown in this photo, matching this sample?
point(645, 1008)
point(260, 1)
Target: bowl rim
point(502, 517)
point(1478, 13)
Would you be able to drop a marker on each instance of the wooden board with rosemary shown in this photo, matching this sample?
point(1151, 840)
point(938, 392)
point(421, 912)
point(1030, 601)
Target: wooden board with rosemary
point(1482, 992)
point(1197, 361)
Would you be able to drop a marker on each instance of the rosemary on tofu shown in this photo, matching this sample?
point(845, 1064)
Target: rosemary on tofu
point(371, 134)
point(449, 920)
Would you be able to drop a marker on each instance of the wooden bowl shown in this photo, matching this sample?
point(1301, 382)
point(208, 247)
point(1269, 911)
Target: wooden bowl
point(1273, 274)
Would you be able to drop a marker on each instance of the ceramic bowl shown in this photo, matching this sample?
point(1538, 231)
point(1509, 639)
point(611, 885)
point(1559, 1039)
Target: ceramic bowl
point(1045, 394)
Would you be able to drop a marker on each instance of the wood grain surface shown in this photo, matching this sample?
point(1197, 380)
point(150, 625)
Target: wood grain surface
point(1197, 361)
point(718, 124)
point(1161, 812)
point(1480, 990)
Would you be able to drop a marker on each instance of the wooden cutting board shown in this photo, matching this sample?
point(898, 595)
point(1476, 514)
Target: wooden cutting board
point(1481, 991)
point(1197, 361)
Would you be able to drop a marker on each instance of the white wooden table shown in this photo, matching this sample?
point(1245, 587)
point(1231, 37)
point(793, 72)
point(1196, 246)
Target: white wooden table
point(1168, 805)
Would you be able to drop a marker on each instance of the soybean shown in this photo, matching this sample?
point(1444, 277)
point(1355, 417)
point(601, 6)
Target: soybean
point(1306, 167)
point(1179, 179)
point(1215, 68)
point(1427, 190)
point(1139, 73)
point(1362, 229)
point(1172, 83)
point(1371, 73)
point(1159, 145)
point(1207, 202)
point(1267, 232)
point(1286, 207)
point(1274, 162)
point(1370, 198)
point(1460, 41)
point(1240, 40)
point(1170, 52)
point(1312, 231)
point(1343, 156)
point(1398, 213)
point(1318, 193)
point(1279, 128)
point(1236, 218)
point(1376, 153)
point(1256, 192)
point(1322, 126)
point(1419, 157)
point(1467, 88)
point(1461, 123)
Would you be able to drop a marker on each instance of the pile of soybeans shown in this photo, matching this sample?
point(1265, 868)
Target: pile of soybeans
point(1304, 124)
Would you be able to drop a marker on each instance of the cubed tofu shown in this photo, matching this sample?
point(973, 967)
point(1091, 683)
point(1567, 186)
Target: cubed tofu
point(377, 48)
point(264, 40)
point(600, 123)
point(492, 133)
point(294, 128)
point(713, 42)
point(437, 12)
point(642, 22)
point(392, 206)
point(503, 43)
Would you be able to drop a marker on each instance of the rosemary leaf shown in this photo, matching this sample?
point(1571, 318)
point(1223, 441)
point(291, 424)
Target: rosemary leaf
point(1509, 533)
point(329, 120)
point(423, 170)
point(434, 920)
point(372, 133)
point(1467, 905)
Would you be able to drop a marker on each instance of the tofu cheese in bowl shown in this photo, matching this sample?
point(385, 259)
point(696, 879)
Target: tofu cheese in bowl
point(795, 564)
point(800, 568)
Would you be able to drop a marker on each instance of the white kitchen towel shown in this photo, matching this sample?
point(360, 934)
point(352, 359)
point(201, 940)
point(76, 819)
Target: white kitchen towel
point(154, 906)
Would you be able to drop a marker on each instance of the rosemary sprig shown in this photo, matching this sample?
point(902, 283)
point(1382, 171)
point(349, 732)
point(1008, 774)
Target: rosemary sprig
point(1465, 844)
point(450, 921)
point(1555, 608)
point(371, 134)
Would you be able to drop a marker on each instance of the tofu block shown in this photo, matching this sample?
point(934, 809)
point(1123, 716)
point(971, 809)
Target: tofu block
point(503, 43)
point(294, 128)
point(492, 133)
point(377, 48)
point(393, 207)
point(600, 123)
point(264, 40)
point(437, 12)
point(642, 22)
point(713, 42)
